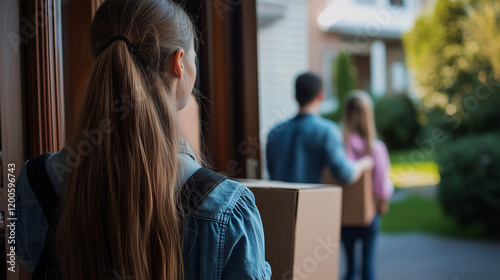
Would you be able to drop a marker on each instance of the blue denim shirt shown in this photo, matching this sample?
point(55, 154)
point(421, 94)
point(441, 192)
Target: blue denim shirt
point(298, 150)
point(224, 238)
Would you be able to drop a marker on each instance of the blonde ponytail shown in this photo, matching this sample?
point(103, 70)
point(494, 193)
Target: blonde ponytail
point(119, 213)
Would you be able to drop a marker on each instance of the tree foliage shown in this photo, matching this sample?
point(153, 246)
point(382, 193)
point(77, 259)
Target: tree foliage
point(455, 53)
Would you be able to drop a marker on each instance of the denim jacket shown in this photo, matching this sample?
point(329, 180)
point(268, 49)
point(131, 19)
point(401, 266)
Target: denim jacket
point(224, 238)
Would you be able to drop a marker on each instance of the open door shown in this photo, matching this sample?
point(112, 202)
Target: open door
point(228, 84)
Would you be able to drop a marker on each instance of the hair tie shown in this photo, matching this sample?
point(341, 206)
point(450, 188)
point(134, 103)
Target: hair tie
point(116, 38)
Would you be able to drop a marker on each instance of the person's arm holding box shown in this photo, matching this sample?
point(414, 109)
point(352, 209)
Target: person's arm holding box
point(344, 170)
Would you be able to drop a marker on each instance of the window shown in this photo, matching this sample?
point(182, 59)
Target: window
point(396, 3)
point(330, 103)
point(399, 78)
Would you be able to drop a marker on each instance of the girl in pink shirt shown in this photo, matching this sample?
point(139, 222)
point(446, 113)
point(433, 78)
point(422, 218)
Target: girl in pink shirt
point(359, 134)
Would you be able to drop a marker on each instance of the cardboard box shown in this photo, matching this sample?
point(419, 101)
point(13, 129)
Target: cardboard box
point(358, 202)
point(301, 227)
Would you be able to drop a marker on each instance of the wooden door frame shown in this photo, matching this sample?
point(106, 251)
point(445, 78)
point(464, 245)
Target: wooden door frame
point(245, 86)
point(13, 144)
point(43, 76)
point(228, 83)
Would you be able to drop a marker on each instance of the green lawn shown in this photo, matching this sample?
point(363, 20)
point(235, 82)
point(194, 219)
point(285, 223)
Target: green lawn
point(414, 174)
point(413, 168)
point(416, 213)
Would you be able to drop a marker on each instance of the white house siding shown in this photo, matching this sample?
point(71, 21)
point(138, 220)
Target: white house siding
point(282, 55)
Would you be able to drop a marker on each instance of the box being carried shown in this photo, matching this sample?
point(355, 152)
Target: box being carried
point(301, 227)
point(358, 203)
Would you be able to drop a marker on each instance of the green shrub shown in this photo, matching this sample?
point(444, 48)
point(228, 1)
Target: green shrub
point(343, 79)
point(480, 116)
point(396, 121)
point(469, 190)
point(343, 82)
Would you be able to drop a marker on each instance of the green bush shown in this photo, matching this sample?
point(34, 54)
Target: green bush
point(469, 190)
point(480, 117)
point(343, 79)
point(396, 121)
point(343, 82)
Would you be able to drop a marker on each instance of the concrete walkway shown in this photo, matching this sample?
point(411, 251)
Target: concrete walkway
point(416, 256)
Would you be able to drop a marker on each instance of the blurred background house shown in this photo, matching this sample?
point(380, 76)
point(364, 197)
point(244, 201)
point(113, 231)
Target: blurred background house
point(308, 35)
point(432, 68)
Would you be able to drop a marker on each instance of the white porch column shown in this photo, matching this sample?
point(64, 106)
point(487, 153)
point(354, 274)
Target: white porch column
point(378, 68)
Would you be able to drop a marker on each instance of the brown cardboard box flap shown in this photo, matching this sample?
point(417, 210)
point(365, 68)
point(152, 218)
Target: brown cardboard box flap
point(280, 185)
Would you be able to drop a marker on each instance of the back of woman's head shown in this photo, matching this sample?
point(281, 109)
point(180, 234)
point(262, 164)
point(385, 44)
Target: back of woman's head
point(358, 118)
point(119, 211)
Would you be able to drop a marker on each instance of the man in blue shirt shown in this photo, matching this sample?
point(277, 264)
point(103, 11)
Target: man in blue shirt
point(299, 149)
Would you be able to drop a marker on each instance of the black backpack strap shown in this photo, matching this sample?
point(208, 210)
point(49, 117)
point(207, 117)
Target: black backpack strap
point(43, 189)
point(199, 186)
point(39, 182)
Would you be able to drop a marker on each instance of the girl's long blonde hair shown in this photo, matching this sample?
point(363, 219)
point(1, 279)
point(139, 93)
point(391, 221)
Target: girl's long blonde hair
point(119, 216)
point(358, 118)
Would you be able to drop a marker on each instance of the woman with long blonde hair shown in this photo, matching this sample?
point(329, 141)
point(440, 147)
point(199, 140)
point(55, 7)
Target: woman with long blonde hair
point(125, 211)
point(358, 124)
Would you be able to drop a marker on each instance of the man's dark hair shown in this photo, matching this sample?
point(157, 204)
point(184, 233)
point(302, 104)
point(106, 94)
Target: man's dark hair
point(307, 87)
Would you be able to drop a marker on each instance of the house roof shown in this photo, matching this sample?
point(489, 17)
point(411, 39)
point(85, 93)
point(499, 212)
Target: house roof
point(369, 18)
